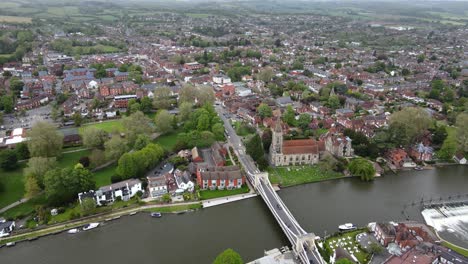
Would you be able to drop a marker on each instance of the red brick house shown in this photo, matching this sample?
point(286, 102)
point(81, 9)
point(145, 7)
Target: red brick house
point(229, 177)
point(196, 155)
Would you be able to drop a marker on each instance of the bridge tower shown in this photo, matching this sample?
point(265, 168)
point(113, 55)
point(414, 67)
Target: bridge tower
point(307, 240)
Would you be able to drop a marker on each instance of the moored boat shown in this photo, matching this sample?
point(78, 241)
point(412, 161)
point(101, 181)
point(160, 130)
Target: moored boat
point(156, 214)
point(90, 226)
point(73, 231)
point(10, 244)
point(346, 227)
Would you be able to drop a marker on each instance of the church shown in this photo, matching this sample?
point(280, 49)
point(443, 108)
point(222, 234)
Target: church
point(305, 151)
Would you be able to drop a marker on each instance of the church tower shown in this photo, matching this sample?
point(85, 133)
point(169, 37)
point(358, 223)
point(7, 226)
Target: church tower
point(277, 139)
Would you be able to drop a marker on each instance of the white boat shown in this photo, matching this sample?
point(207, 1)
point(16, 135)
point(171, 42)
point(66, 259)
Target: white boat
point(73, 231)
point(10, 244)
point(347, 226)
point(90, 226)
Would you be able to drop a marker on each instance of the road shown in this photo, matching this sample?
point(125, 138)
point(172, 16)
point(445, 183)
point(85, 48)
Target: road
point(286, 220)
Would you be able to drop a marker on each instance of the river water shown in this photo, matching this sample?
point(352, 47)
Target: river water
point(246, 226)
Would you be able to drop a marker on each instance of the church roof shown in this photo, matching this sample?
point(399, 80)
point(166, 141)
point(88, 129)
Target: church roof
point(302, 146)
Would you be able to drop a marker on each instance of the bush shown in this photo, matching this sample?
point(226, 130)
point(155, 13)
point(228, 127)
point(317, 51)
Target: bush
point(118, 199)
point(74, 215)
point(115, 178)
point(139, 194)
point(84, 161)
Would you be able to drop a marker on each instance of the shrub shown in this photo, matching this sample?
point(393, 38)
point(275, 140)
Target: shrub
point(118, 198)
point(115, 178)
point(84, 161)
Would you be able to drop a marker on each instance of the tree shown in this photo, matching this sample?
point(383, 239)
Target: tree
point(146, 105)
point(87, 206)
point(421, 58)
point(44, 140)
point(408, 124)
point(62, 186)
point(37, 167)
point(162, 98)
point(115, 147)
point(205, 95)
point(97, 158)
point(166, 198)
point(94, 137)
point(228, 256)
point(7, 104)
point(163, 121)
point(462, 131)
point(141, 142)
point(333, 102)
point(304, 121)
point(8, 159)
point(187, 93)
point(255, 149)
point(266, 139)
point(77, 118)
point(362, 168)
point(133, 106)
point(32, 187)
point(439, 135)
point(264, 110)
point(185, 110)
point(289, 116)
point(375, 248)
point(203, 123)
point(265, 74)
point(135, 124)
point(218, 131)
point(22, 151)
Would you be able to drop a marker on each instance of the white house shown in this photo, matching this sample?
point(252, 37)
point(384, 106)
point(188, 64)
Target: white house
point(183, 181)
point(460, 159)
point(6, 227)
point(108, 194)
point(221, 79)
point(157, 186)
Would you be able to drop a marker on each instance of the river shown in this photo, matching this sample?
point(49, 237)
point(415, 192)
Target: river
point(246, 226)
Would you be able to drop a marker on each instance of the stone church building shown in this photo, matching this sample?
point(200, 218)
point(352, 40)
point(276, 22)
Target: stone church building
point(305, 151)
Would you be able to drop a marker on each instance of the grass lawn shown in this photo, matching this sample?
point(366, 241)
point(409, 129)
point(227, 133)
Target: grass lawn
point(108, 126)
point(70, 159)
point(450, 145)
point(13, 183)
point(103, 176)
point(13, 186)
point(24, 209)
point(294, 175)
point(168, 141)
point(455, 248)
point(208, 194)
point(350, 240)
point(175, 208)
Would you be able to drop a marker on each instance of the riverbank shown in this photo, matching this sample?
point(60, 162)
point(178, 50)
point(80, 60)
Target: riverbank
point(297, 175)
point(55, 229)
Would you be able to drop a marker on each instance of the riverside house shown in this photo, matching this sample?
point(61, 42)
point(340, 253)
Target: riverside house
point(108, 194)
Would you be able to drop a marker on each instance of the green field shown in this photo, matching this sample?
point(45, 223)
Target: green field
point(168, 141)
point(103, 176)
point(15, 19)
point(13, 181)
point(294, 175)
point(108, 126)
point(208, 194)
point(13, 186)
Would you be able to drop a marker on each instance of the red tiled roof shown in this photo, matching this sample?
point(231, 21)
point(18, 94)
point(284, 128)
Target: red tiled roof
point(302, 146)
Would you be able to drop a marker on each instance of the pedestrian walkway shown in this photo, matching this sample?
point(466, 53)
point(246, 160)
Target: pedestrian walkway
point(6, 208)
point(228, 199)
